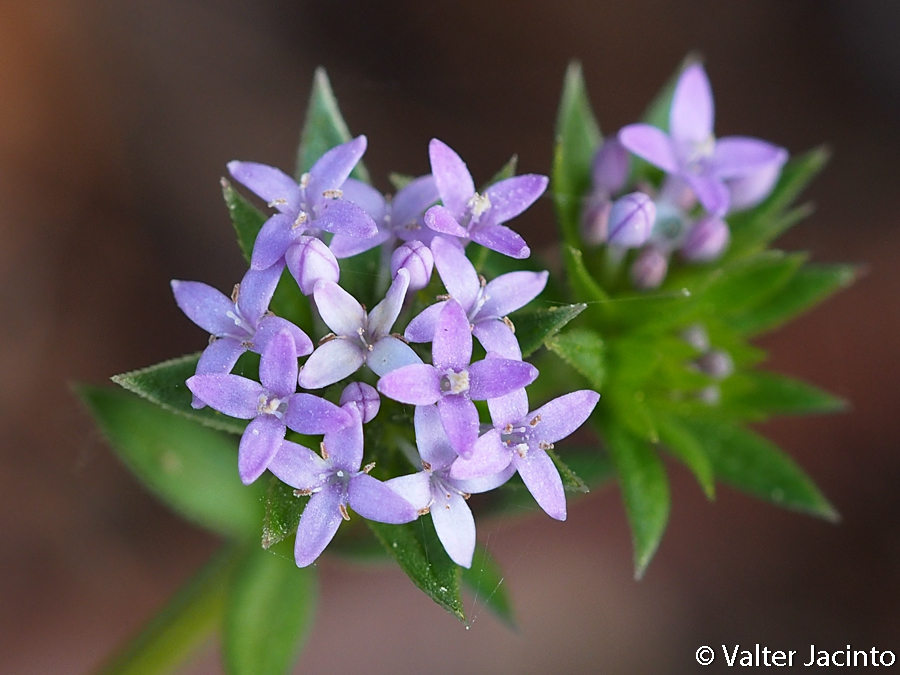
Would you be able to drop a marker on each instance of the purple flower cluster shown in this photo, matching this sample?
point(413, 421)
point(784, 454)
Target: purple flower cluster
point(705, 180)
point(426, 225)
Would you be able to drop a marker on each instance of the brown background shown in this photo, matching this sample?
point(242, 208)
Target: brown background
point(116, 121)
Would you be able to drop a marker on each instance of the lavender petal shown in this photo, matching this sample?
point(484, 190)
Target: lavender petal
point(273, 240)
point(692, 112)
point(460, 420)
point(452, 344)
point(342, 217)
point(563, 415)
point(256, 291)
point(489, 457)
point(278, 365)
point(220, 356)
point(205, 306)
point(312, 415)
point(345, 246)
point(318, 524)
point(422, 327)
point(389, 354)
point(269, 183)
point(376, 501)
point(512, 291)
point(509, 409)
point(651, 144)
point(417, 384)
point(310, 261)
point(261, 440)
point(737, 156)
point(366, 197)
point(385, 313)
point(271, 325)
point(431, 439)
point(231, 395)
point(454, 182)
point(441, 220)
point(298, 466)
point(495, 336)
point(333, 168)
point(340, 311)
point(454, 525)
point(332, 362)
point(458, 274)
point(345, 444)
point(413, 200)
point(414, 488)
point(512, 196)
point(494, 377)
point(710, 191)
point(479, 485)
point(501, 239)
point(542, 480)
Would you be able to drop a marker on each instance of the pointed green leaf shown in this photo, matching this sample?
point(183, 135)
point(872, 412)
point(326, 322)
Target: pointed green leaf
point(283, 511)
point(246, 218)
point(645, 491)
point(682, 443)
point(807, 288)
point(760, 394)
point(421, 555)
point(590, 465)
point(752, 464)
point(189, 619)
point(269, 615)
point(164, 385)
point(572, 482)
point(324, 129)
point(763, 231)
point(535, 326)
point(749, 282)
point(583, 286)
point(577, 138)
point(191, 468)
point(582, 349)
point(485, 581)
point(508, 170)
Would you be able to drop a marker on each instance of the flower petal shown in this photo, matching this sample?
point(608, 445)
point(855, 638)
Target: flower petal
point(710, 191)
point(345, 444)
point(343, 217)
point(206, 307)
point(501, 239)
point(271, 325)
point(340, 311)
point(332, 168)
point(512, 196)
point(431, 439)
point(489, 456)
point(460, 420)
point(412, 201)
point(312, 415)
point(345, 246)
point(332, 362)
point(376, 501)
point(318, 524)
point(414, 488)
point(454, 182)
point(543, 482)
point(422, 327)
point(458, 274)
point(273, 240)
point(366, 197)
point(298, 466)
point(452, 344)
point(278, 365)
point(509, 409)
point(256, 291)
point(454, 525)
point(441, 219)
point(385, 313)
point(494, 377)
point(232, 395)
point(269, 183)
point(692, 112)
point(479, 485)
point(311, 261)
point(417, 384)
point(219, 357)
point(261, 440)
point(510, 292)
point(495, 336)
point(651, 144)
point(737, 156)
point(389, 354)
point(563, 415)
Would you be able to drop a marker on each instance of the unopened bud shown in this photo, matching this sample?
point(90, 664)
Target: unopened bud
point(364, 397)
point(595, 219)
point(631, 220)
point(309, 261)
point(697, 337)
point(717, 364)
point(649, 268)
point(417, 259)
point(610, 166)
point(706, 241)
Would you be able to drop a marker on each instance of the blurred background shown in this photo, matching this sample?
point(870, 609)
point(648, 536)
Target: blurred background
point(116, 121)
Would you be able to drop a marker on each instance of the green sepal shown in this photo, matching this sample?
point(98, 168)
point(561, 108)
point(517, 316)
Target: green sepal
point(268, 616)
point(757, 395)
point(246, 219)
point(577, 138)
point(190, 468)
point(645, 491)
point(754, 465)
point(283, 511)
point(534, 327)
point(188, 620)
point(583, 349)
point(485, 581)
point(808, 287)
point(324, 128)
point(417, 549)
point(164, 385)
point(689, 450)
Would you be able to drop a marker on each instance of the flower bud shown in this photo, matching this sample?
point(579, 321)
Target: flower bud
point(749, 190)
point(364, 397)
point(309, 261)
point(610, 166)
point(649, 268)
point(595, 219)
point(716, 363)
point(417, 259)
point(697, 337)
point(706, 241)
point(631, 220)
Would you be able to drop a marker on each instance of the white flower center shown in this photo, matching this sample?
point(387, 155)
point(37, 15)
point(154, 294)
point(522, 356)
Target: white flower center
point(479, 204)
point(270, 405)
point(455, 383)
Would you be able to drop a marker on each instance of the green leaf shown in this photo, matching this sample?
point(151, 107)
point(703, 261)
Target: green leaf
point(421, 555)
point(246, 218)
point(749, 281)
point(535, 326)
point(577, 138)
point(752, 464)
point(583, 286)
point(189, 467)
point(582, 349)
point(508, 170)
point(283, 511)
point(269, 614)
point(685, 446)
point(807, 288)
point(485, 581)
point(572, 482)
point(590, 464)
point(188, 620)
point(324, 129)
point(645, 490)
point(164, 385)
point(760, 394)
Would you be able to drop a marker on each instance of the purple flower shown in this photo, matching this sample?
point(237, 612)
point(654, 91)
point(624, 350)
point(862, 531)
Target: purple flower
point(706, 240)
point(364, 398)
point(649, 268)
point(238, 324)
point(631, 220)
point(434, 490)
point(691, 152)
point(471, 216)
point(310, 261)
point(399, 218)
point(335, 481)
point(486, 304)
point(315, 204)
point(453, 382)
point(522, 438)
point(417, 259)
point(272, 406)
point(358, 337)
point(609, 170)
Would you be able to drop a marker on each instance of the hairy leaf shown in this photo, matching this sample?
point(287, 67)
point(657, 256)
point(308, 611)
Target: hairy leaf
point(582, 349)
point(534, 327)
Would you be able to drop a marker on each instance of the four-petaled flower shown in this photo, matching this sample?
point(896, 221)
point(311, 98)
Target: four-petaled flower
point(691, 151)
point(453, 382)
point(335, 481)
point(469, 215)
point(314, 204)
point(272, 406)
